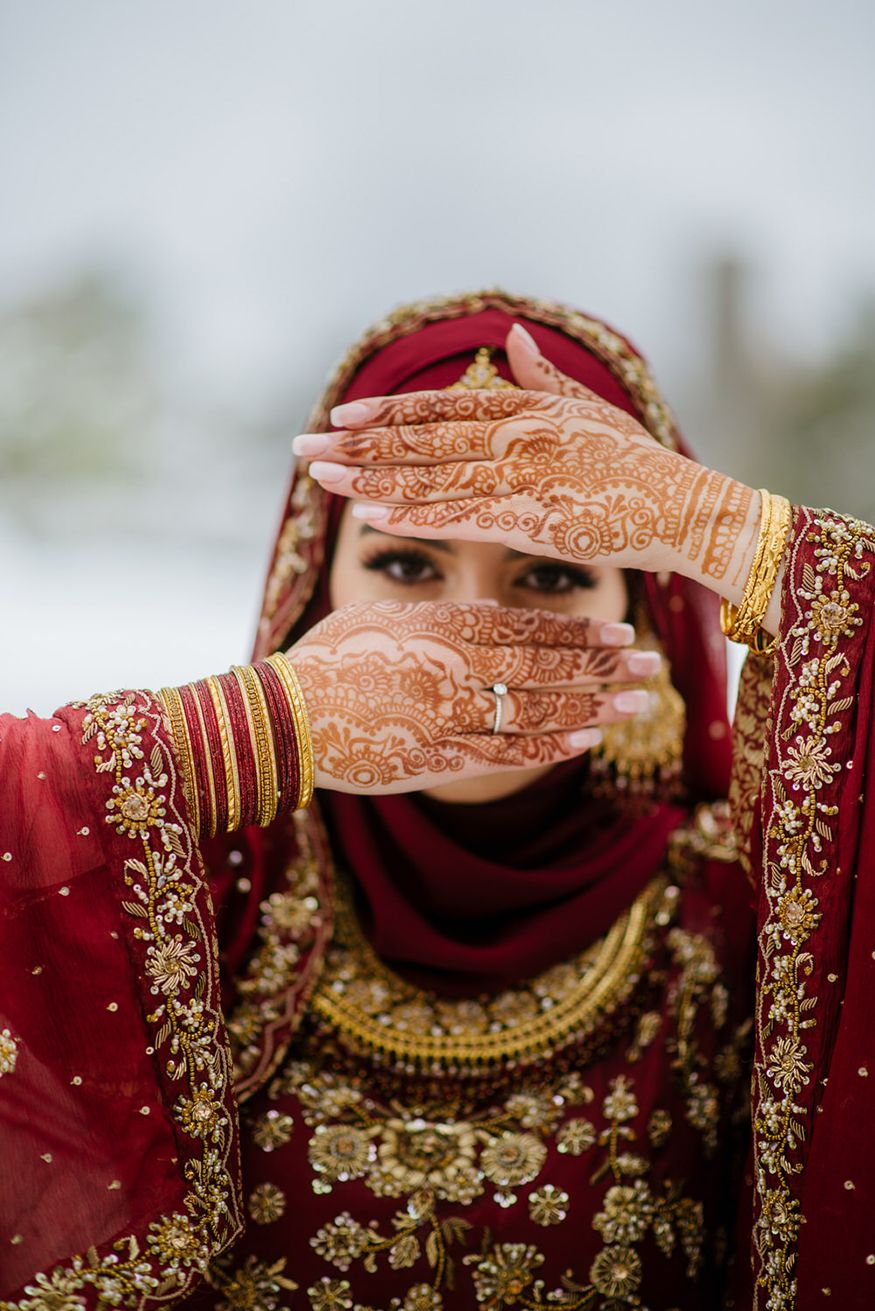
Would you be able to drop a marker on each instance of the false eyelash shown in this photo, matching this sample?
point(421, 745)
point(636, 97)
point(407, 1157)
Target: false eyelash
point(385, 557)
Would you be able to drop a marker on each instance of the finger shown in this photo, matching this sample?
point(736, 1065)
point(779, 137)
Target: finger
point(550, 711)
point(534, 667)
point(495, 628)
point(464, 626)
point(486, 753)
point(404, 484)
point(511, 519)
point(433, 406)
point(439, 442)
point(412, 443)
point(534, 372)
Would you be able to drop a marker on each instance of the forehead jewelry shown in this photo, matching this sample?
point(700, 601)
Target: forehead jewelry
point(499, 690)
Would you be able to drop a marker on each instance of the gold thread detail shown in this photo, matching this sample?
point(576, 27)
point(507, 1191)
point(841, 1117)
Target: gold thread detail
point(172, 702)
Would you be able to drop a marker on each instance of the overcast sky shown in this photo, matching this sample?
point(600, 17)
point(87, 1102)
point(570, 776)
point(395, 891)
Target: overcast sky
point(278, 173)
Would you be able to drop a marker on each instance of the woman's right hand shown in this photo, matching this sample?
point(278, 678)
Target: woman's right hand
point(400, 699)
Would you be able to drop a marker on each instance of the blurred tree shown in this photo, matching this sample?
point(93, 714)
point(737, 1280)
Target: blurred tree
point(76, 389)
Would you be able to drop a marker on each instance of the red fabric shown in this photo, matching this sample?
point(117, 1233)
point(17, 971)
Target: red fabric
point(450, 898)
point(92, 1149)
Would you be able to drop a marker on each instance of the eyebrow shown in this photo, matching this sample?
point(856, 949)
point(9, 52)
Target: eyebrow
point(437, 544)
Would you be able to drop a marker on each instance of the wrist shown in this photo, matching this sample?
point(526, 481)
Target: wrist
point(242, 745)
point(717, 534)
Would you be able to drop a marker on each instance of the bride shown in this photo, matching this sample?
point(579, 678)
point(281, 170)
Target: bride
point(514, 1013)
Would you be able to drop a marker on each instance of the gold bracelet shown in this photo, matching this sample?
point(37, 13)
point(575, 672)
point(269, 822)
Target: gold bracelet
point(226, 736)
point(207, 757)
point(179, 730)
point(303, 733)
point(262, 744)
point(744, 622)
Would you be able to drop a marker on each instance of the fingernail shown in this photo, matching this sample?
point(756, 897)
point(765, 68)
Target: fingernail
point(644, 662)
point(311, 443)
point(366, 510)
point(632, 703)
point(324, 471)
point(351, 413)
point(617, 634)
point(525, 339)
point(584, 737)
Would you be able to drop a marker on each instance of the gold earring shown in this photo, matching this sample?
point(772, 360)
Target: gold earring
point(639, 760)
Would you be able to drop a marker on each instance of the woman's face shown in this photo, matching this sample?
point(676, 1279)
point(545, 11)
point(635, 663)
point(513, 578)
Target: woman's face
point(373, 566)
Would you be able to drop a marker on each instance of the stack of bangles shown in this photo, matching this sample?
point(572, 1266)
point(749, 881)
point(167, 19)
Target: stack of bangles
point(743, 623)
point(243, 745)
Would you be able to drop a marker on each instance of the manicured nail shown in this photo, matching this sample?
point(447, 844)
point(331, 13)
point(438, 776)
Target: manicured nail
point(645, 663)
point(632, 703)
point(583, 738)
point(353, 412)
point(368, 510)
point(525, 339)
point(311, 443)
point(324, 471)
point(617, 634)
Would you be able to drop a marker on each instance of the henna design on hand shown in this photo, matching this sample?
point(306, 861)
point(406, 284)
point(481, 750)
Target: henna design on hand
point(567, 475)
point(399, 694)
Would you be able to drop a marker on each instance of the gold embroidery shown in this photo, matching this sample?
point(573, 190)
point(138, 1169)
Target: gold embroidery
point(751, 732)
point(163, 876)
point(375, 1011)
point(266, 1204)
point(294, 924)
point(253, 1284)
point(697, 986)
point(799, 822)
point(272, 1130)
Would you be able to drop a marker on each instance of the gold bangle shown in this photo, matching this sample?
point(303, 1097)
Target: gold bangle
point(179, 731)
point(744, 622)
point(207, 757)
point(262, 744)
point(229, 758)
point(303, 733)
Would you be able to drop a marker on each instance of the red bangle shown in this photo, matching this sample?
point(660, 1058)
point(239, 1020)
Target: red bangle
point(241, 744)
point(210, 766)
point(284, 739)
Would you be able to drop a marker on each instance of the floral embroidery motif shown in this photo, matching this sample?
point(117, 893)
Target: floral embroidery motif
point(799, 813)
point(266, 1204)
point(253, 1284)
point(8, 1052)
point(280, 972)
point(163, 879)
point(273, 1130)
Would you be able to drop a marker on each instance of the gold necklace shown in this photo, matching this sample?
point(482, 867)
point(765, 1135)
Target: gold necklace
point(376, 1013)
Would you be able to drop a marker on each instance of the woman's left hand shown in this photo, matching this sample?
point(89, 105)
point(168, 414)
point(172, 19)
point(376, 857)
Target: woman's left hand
point(552, 469)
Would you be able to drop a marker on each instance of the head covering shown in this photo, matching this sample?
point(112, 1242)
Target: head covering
point(468, 898)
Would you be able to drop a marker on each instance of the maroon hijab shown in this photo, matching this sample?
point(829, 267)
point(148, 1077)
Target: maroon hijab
point(468, 898)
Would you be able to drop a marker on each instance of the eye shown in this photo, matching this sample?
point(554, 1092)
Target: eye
point(555, 579)
point(403, 566)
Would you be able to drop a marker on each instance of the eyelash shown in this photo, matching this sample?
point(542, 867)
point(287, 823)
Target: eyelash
point(383, 560)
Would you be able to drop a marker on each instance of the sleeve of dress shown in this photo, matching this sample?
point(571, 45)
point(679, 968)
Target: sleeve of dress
point(118, 1124)
point(810, 808)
